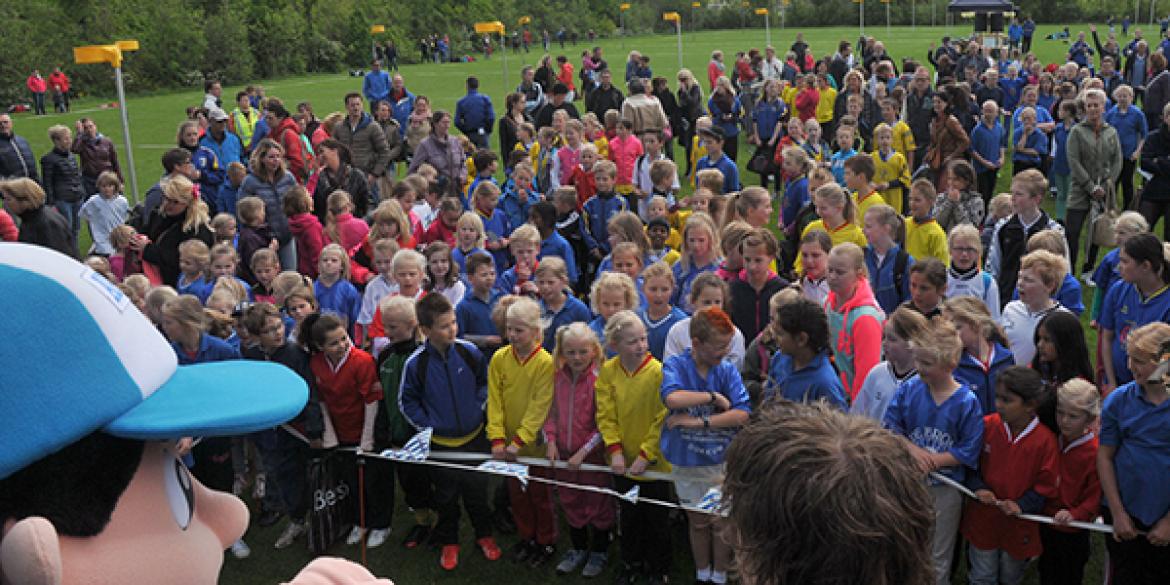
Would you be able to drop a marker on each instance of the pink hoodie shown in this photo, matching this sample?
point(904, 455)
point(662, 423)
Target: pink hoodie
point(857, 346)
point(351, 230)
point(571, 425)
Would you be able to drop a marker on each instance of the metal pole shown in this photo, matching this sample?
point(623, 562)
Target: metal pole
point(914, 14)
point(887, 18)
point(768, 28)
point(678, 29)
point(861, 15)
point(126, 135)
point(504, 52)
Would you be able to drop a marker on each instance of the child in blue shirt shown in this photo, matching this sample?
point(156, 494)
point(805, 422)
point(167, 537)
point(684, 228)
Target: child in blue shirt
point(1030, 144)
point(887, 263)
point(543, 215)
point(335, 293)
point(1134, 461)
point(1060, 172)
point(1132, 129)
point(658, 315)
point(801, 371)
point(486, 164)
point(518, 196)
point(495, 224)
point(943, 424)
point(558, 306)
point(708, 404)
point(600, 208)
point(469, 240)
point(1141, 296)
point(988, 145)
point(194, 258)
point(1129, 224)
point(474, 313)
point(845, 139)
point(713, 139)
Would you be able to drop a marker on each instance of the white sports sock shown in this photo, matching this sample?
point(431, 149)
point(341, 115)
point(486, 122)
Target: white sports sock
point(703, 574)
point(718, 577)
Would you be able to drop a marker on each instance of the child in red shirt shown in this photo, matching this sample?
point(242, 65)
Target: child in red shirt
point(1078, 404)
point(582, 175)
point(1017, 473)
point(347, 382)
point(443, 229)
point(624, 150)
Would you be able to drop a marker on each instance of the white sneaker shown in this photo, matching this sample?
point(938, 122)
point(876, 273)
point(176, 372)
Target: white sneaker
point(240, 549)
point(377, 537)
point(291, 532)
point(355, 535)
point(1087, 278)
point(259, 489)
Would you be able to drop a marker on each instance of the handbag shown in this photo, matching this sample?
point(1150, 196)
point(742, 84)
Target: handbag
point(329, 495)
point(761, 163)
point(1103, 219)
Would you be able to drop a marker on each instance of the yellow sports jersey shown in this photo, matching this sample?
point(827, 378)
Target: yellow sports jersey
point(865, 202)
point(470, 164)
point(892, 169)
point(698, 151)
point(630, 412)
point(904, 139)
point(825, 106)
point(789, 97)
point(846, 232)
point(520, 391)
point(602, 144)
point(926, 240)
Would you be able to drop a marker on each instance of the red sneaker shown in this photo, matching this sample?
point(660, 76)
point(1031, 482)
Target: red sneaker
point(449, 559)
point(487, 544)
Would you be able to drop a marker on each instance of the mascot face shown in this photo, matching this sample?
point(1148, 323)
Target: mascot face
point(167, 528)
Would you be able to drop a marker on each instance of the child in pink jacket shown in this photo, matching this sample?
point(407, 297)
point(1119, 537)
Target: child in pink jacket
point(572, 435)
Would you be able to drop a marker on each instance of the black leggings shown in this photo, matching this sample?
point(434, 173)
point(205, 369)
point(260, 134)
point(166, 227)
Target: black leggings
point(1072, 232)
point(731, 148)
point(1126, 182)
point(1154, 210)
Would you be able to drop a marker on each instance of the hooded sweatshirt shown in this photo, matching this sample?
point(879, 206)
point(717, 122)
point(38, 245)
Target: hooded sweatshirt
point(855, 332)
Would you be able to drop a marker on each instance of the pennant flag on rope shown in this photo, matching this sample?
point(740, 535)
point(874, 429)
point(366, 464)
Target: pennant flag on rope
point(710, 500)
point(631, 496)
point(516, 470)
point(418, 448)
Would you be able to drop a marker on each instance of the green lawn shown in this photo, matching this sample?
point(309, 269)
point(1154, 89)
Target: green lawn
point(155, 118)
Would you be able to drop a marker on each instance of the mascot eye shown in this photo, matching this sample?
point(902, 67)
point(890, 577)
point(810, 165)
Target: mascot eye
point(180, 495)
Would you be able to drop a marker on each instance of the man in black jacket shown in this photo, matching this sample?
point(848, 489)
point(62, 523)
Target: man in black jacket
point(605, 97)
point(16, 156)
point(544, 115)
point(24, 198)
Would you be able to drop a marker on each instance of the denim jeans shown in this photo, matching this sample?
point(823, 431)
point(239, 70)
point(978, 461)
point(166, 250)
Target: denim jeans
point(993, 567)
point(71, 211)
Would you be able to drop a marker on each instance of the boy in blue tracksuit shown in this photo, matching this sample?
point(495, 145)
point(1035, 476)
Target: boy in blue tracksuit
point(444, 388)
point(801, 371)
point(600, 208)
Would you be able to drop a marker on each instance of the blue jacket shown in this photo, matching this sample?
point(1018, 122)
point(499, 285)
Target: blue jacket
point(474, 112)
point(599, 209)
point(515, 209)
point(211, 175)
point(885, 287)
point(766, 115)
point(453, 398)
point(376, 86)
point(981, 380)
point(211, 349)
point(556, 245)
point(816, 381)
point(1036, 140)
point(16, 159)
point(402, 109)
point(229, 151)
point(259, 133)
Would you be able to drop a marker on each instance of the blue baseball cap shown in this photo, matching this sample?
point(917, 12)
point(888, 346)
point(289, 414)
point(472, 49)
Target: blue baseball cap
point(77, 356)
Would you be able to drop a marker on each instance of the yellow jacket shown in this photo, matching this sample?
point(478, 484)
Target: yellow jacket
point(630, 412)
point(520, 392)
point(904, 140)
point(927, 240)
point(698, 151)
point(825, 106)
point(846, 232)
point(892, 170)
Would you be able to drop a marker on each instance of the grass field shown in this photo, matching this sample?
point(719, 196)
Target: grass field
point(155, 118)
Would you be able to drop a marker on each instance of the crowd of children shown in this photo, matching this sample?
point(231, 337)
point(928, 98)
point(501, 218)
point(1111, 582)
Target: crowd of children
point(590, 309)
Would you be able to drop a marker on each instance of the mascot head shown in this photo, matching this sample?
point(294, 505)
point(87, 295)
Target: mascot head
point(92, 400)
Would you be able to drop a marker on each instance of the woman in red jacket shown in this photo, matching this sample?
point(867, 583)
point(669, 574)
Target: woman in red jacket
point(284, 131)
point(808, 98)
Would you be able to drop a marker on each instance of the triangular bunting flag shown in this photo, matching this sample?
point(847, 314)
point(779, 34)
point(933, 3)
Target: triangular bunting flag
point(710, 500)
point(631, 496)
point(418, 448)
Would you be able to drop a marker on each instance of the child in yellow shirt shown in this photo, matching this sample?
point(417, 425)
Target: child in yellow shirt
point(838, 214)
point(630, 415)
point(924, 237)
point(698, 150)
point(520, 391)
point(903, 137)
point(859, 170)
point(891, 172)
